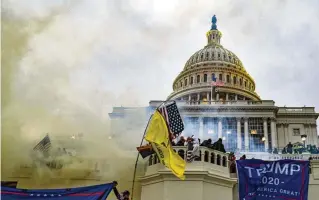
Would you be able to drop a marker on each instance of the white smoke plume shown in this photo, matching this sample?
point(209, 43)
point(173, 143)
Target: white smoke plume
point(51, 85)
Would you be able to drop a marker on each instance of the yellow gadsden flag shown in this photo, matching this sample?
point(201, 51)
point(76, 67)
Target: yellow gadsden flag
point(157, 134)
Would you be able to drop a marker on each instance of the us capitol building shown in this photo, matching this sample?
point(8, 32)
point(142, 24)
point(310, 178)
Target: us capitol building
point(232, 110)
point(217, 99)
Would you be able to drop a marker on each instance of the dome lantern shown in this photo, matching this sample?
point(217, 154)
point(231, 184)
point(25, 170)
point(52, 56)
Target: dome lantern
point(213, 35)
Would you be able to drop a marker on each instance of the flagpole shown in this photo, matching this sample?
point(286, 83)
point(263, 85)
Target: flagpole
point(138, 154)
point(211, 93)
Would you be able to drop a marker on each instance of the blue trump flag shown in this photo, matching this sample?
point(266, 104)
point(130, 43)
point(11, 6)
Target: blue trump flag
point(276, 180)
point(95, 192)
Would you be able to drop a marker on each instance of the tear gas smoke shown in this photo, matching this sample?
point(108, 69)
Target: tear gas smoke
point(49, 87)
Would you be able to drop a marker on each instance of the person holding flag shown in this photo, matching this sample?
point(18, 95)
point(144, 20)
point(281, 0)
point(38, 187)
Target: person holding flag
point(158, 136)
point(164, 125)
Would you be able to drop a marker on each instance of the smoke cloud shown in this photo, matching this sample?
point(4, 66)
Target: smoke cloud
point(50, 84)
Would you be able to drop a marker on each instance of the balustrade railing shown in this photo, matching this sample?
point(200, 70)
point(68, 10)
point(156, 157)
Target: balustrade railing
point(206, 155)
point(222, 159)
point(237, 102)
point(218, 103)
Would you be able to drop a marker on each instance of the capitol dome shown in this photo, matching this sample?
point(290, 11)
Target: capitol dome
point(214, 74)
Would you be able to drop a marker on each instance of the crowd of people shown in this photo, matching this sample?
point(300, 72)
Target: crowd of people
point(191, 142)
point(193, 145)
point(299, 148)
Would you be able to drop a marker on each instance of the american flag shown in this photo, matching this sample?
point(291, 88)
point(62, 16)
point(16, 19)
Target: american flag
point(44, 145)
point(172, 117)
point(215, 82)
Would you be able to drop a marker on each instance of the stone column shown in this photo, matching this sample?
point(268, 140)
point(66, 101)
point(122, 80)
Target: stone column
point(238, 133)
point(217, 96)
point(189, 98)
point(198, 98)
point(266, 134)
point(285, 126)
point(211, 93)
point(274, 141)
point(283, 132)
point(246, 134)
point(220, 135)
point(201, 128)
point(226, 96)
point(315, 135)
point(207, 96)
point(236, 97)
point(308, 133)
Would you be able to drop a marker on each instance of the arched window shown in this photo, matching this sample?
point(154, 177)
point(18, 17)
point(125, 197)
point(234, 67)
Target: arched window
point(206, 156)
point(220, 77)
point(213, 77)
point(235, 80)
point(205, 78)
point(240, 82)
point(201, 56)
point(249, 85)
point(228, 78)
point(185, 82)
point(198, 78)
point(207, 55)
point(224, 161)
point(218, 159)
point(181, 84)
point(192, 80)
point(212, 158)
point(245, 84)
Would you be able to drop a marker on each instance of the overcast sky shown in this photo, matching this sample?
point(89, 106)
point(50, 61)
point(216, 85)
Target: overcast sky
point(132, 50)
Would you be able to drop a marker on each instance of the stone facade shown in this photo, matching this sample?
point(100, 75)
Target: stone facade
point(256, 126)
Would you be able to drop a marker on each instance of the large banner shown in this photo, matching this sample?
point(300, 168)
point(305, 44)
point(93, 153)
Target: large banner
point(96, 192)
point(276, 180)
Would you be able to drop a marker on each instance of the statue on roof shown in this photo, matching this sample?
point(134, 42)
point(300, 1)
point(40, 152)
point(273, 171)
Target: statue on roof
point(214, 21)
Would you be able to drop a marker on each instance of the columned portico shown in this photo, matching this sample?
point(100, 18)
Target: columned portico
point(253, 134)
